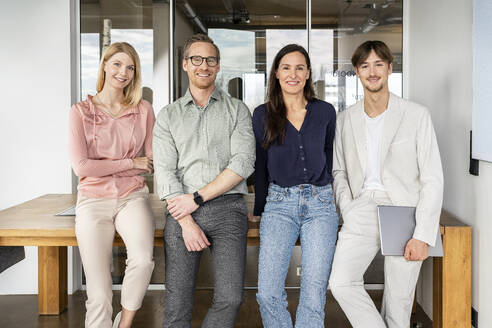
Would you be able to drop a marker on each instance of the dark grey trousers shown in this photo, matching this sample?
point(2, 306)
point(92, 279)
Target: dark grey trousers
point(224, 221)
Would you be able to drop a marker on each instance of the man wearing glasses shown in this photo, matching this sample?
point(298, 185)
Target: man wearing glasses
point(204, 149)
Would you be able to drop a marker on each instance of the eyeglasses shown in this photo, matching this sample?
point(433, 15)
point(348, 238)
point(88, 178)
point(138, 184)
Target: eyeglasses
point(198, 60)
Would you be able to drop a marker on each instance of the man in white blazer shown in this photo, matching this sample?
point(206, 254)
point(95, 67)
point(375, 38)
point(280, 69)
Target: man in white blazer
point(385, 153)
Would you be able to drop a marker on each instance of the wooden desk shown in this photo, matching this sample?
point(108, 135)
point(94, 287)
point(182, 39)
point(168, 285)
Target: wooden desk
point(33, 224)
point(452, 276)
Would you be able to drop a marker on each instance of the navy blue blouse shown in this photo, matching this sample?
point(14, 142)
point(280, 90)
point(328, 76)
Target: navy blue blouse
point(305, 157)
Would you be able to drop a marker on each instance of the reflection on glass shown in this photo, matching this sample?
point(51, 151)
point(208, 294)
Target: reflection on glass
point(337, 29)
point(237, 54)
point(89, 63)
point(241, 74)
point(254, 89)
point(248, 34)
point(277, 39)
point(321, 53)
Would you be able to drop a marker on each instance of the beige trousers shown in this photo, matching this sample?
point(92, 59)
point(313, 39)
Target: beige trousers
point(358, 243)
point(95, 225)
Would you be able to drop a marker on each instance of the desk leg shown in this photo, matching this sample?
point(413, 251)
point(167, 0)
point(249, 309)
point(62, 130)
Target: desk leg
point(52, 280)
point(452, 280)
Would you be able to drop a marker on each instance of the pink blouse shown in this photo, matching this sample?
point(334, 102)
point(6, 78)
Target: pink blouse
point(102, 148)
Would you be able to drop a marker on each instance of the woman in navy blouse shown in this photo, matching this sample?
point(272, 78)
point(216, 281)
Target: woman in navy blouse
point(294, 141)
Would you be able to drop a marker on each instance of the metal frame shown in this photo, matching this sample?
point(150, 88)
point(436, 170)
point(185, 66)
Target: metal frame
point(172, 9)
point(74, 261)
point(308, 25)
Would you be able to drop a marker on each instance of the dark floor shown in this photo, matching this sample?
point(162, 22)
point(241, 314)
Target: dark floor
point(21, 311)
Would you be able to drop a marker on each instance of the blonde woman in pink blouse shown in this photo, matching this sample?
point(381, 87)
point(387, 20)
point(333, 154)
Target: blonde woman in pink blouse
point(107, 135)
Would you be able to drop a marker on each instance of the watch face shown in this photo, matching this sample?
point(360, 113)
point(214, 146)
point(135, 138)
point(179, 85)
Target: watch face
point(197, 198)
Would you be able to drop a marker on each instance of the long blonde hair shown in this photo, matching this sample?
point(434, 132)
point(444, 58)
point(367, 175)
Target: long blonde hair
point(133, 91)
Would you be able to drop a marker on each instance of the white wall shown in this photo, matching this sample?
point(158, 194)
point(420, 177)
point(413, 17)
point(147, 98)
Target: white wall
point(439, 75)
point(36, 97)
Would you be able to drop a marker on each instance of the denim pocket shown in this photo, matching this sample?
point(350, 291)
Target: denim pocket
point(275, 196)
point(326, 196)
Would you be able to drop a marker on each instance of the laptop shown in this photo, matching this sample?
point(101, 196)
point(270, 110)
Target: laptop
point(396, 227)
point(67, 212)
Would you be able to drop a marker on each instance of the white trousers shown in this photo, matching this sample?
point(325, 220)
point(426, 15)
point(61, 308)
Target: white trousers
point(358, 243)
point(95, 225)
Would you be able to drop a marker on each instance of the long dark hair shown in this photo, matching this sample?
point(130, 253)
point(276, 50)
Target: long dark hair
point(276, 113)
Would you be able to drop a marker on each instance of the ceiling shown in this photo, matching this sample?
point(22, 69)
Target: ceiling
point(251, 14)
point(345, 15)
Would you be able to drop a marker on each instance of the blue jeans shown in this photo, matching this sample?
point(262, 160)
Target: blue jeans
point(309, 212)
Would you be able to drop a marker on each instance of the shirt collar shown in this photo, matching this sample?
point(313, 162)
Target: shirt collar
point(187, 98)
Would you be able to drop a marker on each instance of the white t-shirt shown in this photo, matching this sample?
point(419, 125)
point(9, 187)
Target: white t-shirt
point(374, 134)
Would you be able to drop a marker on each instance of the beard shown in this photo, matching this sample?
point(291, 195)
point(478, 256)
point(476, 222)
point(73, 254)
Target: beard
point(373, 89)
point(202, 83)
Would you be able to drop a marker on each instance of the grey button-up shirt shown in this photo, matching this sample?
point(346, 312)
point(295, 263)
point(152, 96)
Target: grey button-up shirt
point(193, 145)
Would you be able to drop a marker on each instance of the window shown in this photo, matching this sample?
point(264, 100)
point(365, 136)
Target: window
point(249, 33)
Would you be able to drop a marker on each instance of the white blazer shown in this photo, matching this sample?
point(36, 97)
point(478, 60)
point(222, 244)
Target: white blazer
point(411, 169)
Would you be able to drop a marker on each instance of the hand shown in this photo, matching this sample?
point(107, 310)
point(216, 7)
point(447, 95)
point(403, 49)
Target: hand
point(143, 163)
point(194, 237)
point(416, 250)
point(254, 218)
point(181, 206)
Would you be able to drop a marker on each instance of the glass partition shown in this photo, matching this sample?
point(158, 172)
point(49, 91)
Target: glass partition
point(338, 27)
point(249, 33)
